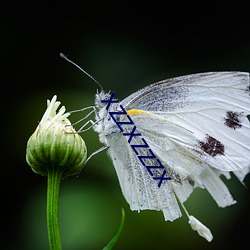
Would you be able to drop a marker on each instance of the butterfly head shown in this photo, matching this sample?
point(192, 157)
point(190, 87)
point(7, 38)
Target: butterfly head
point(99, 97)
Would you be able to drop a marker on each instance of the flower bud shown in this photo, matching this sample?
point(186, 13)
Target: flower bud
point(55, 144)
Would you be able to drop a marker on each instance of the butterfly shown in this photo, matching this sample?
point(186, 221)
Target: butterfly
point(197, 126)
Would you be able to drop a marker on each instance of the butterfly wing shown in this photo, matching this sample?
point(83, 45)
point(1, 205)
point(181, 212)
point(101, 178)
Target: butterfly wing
point(138, 186)
point(212, 106)
point(175, 148)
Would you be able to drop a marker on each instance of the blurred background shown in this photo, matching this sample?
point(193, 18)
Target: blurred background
point(125, 45)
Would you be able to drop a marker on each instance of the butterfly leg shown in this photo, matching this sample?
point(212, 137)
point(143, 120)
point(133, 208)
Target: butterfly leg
point(86, 116)
point(94, 153)
point(81, 129)
point(83, 109)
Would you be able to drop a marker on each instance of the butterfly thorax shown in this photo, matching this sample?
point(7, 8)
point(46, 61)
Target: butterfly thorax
point(105, 124)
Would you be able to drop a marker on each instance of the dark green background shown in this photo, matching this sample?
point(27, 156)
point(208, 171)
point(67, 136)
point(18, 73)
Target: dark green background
point(125, 45)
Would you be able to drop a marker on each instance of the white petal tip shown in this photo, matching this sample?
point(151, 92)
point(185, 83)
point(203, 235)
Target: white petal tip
point(51, 114)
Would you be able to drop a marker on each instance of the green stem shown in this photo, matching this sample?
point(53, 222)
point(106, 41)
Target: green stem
point(54, 177)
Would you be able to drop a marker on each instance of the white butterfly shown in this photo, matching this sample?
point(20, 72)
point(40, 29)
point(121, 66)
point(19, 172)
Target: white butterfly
point(196, 125)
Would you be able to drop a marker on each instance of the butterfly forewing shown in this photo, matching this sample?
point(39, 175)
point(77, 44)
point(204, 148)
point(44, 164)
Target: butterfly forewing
point(211, 108)
point(138, 186)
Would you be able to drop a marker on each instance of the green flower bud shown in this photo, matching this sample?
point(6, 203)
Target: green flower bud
point(55, 144)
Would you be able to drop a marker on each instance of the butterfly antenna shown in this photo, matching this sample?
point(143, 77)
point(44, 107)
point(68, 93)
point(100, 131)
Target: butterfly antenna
point(86, 73)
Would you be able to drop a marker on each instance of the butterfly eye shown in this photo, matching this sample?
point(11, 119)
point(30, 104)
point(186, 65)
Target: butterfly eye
point(106, 97)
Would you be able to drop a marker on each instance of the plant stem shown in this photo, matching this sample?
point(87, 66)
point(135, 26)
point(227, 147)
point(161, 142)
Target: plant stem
point(54, 177)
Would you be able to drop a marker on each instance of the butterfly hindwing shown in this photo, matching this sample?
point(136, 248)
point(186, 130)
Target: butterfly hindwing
point(139, 188)
point(178, 154)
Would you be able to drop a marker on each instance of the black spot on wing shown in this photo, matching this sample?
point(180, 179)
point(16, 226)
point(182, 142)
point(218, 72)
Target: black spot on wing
point(233, 119)
point(191, 181)
point(212, 146)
